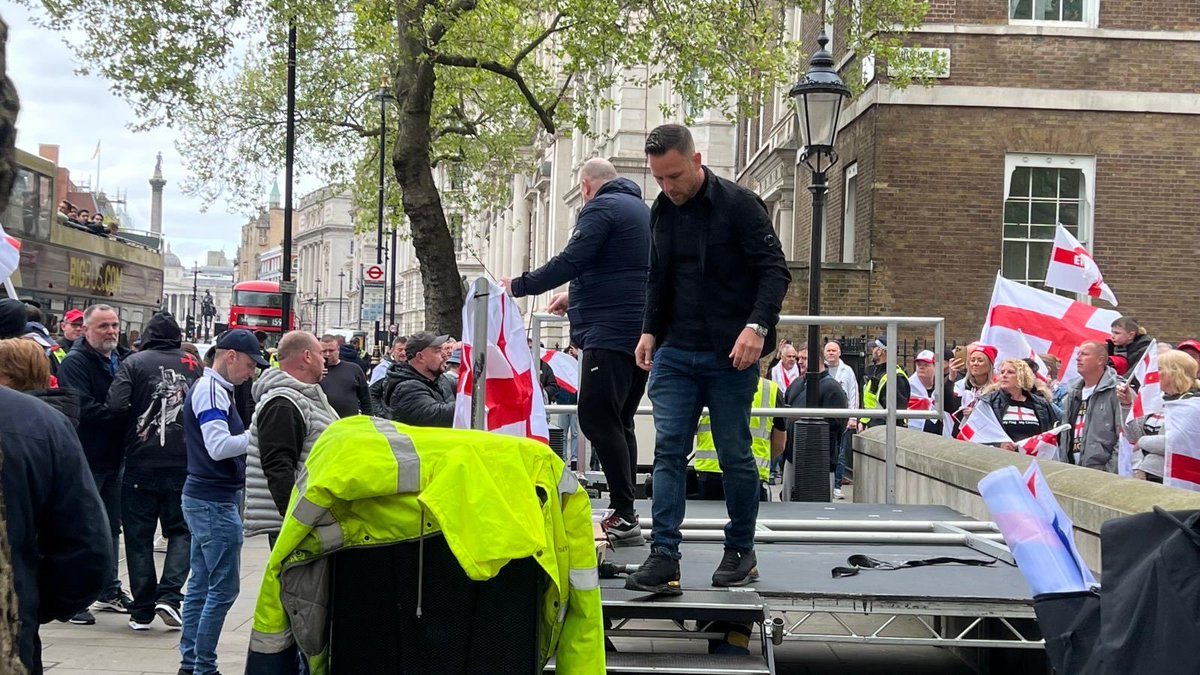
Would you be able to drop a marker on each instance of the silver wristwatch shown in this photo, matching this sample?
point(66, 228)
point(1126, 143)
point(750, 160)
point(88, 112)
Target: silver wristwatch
point(759, 330)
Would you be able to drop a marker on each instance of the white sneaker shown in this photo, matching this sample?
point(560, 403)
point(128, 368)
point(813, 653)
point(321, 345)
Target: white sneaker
point(169, 615)
point(160, 544)
point(139, 626)
point(837, 494)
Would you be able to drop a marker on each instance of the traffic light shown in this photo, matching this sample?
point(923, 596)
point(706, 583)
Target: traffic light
point(191, 326)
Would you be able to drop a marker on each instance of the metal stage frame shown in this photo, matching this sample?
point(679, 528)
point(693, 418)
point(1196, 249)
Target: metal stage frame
point(945, 605)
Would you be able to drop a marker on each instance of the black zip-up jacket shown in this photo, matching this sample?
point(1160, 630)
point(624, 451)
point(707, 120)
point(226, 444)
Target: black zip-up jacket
point(414, 399)
point(100, 432)
point(57, 532)
point(606, 262)
point(744, 273)
point(149, 390)
point(831, 395)
point(999, 401)
point(65, 401)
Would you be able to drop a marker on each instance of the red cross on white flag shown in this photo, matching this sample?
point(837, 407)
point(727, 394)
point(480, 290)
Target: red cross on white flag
point(1073, 269)
point(10, 254)
point(1149, 397)
point(982, 427)
point(565, 367)
point(1044, 445)
point(1013, 345)
point(1050, 323)
point(1181, 424)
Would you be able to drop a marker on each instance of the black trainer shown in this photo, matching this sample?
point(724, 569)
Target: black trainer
point(736, 569)
point(659, 574)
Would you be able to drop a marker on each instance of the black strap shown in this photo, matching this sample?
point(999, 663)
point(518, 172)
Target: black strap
point(859, 562)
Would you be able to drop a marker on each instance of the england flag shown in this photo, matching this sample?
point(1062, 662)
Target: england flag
point(1011, 344)
point(1043, 445)
point(565, 367)
point(920, 399)
point(982, 427)
point(1073, 269)
point(1181, 424)
point(1149, 398)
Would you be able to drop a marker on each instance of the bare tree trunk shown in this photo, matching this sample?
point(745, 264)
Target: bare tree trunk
point(10, 620)
point(414, 87)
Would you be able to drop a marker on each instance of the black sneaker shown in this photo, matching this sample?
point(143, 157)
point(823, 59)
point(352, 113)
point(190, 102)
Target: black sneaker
point(736, 569)
point(622, 532)
point(119, 604)
point(83, 618)
point(659, 575)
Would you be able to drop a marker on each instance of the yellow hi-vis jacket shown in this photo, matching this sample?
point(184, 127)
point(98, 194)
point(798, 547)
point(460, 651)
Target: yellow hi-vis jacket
point(760, 435)
point(371, 482)
point(871, 389)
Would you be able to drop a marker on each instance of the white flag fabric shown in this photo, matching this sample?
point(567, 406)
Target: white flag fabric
point(10, 255)
point(565, 367)
point(784, 378)
point(515, 404)
point(1040, 489)
point(1043, 445)
point(982, 427)
point(919, 398)
point(1181, 424)
point(1051, 323)
point(1149, 398)
point(1012, 344)
point(1072, 268)
point(1125, 455)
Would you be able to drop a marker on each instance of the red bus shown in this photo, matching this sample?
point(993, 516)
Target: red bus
point(258, 305)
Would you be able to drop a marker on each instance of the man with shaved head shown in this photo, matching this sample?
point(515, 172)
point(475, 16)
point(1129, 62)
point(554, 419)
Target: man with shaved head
point(292, 412)
point(606, 262)
point(1093, 411)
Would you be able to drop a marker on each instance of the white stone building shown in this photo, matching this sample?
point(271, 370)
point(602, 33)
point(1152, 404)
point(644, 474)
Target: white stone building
point(180, 284)
point(324, 243)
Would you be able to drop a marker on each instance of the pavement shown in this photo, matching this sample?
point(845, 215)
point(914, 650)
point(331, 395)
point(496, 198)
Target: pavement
point(111, 648)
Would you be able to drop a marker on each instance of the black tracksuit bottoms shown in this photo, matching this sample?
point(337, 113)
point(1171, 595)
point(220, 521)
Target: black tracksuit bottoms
point(610, 388)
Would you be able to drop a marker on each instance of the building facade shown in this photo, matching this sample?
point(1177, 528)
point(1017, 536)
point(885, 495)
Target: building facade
point(259, 235)
point(324, 245)
point(1081, 115)
point(184, 288)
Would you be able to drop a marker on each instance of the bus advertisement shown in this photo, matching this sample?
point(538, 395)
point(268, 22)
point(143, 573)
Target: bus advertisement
point(258, 305)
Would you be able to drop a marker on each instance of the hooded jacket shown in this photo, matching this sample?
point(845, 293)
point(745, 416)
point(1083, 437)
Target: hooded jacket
point(57, 532)
point(606, 261)
point(830, 395)
point(65, 401)
point(12, 318)
point(1101, 423)
point(288, 419)
point(349, 353)
point(147, 397)
point(414, 399)
point(101, 433)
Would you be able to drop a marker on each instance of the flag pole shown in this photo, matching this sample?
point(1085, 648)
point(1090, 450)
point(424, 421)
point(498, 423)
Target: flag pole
point(8, 286)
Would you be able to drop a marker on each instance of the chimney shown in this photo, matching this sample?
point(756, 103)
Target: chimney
point(48, 151)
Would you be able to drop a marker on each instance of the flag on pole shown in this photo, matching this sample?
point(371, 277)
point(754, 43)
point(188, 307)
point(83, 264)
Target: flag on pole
point(514, 402)
point(1124, 454)
point(1181, 424)
point(1040, 489)
point(10, 254)
point(784, 378)
point(565, 367)
point(1043, 445)
point(97, 152)
point(1149, 397)
point(1012, 344)
point(1072, 268)
point(982, 427)
point(1051, 323)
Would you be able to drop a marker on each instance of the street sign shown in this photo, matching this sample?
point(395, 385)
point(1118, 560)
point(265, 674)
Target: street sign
point(393, 328)
point(374, 273)
point(287, 286)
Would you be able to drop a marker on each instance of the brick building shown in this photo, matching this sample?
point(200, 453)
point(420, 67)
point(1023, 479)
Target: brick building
point(1089, 116)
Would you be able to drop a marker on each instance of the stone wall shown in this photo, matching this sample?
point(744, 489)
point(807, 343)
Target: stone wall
point(935, 470)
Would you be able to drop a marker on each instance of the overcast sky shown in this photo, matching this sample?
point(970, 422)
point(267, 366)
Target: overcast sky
point(75, 112)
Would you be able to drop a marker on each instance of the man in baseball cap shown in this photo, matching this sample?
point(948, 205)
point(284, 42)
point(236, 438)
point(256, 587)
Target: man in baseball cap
point(72, 329)
point(1191, 348)
point(415, 392)
point(242, 340)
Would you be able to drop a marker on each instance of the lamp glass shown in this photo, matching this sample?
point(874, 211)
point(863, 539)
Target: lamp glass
point(819, 110)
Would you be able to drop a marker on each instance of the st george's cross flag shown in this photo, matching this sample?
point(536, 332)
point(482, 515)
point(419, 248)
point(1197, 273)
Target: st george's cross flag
point(1051, 323)
point(565, 368)
point(1035, 480)
point(982, 427)
point(1013, 345)
point(514, 402)
point(784, 377)
point(1149, 397)
point(920, 398)
point(1043, 445)
point(1181, 424)
point(1072, 268)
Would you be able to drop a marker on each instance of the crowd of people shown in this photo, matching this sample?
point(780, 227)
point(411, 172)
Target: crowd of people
point(85, 219)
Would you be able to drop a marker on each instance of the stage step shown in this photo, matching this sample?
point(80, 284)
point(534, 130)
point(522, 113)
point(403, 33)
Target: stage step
point(682, 664)
point(701, 605)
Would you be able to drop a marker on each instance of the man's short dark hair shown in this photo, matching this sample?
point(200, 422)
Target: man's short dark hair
point(400, 341)
point(666, 137)
point(329, 338)
point(32, 313)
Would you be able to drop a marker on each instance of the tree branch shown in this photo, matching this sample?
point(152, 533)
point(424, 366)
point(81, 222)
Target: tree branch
point(439, 29)
point(550, 30)
point(459, 61)
point(455, 130)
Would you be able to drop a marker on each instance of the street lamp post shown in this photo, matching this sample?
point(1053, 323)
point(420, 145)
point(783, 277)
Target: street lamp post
point(317, 312)
point(392, 282)
point(384, 96)
point(818, 96)
point(341, 294)
point(195, 282)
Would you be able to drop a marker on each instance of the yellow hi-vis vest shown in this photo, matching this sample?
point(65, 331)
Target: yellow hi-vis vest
point(760, 435)
point(871, 389)
point(371, 482)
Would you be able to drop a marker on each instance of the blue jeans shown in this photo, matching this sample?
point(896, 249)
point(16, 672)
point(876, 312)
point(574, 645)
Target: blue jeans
point(681, 384)
point(570, 427)
point(840, 471)
point(108, 484)
point(216, 565)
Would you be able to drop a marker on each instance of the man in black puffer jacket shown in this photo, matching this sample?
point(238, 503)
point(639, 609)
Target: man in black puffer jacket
point(89, 369)
point(147, 396)
point(415, 391)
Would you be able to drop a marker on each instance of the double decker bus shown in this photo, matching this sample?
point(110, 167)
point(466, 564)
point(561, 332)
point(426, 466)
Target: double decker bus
point(65, 267)
point(258, 305)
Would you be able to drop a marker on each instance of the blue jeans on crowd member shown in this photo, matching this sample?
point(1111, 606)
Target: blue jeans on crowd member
point(570, 427)
point(216, 565)
point(840, 471)
point(108, 484)
point(681, 384)
point(149, 498)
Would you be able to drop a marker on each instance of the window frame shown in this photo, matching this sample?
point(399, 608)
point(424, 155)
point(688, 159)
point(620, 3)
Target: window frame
point(849, 234)
point(1086, 164)
point(1091, 17)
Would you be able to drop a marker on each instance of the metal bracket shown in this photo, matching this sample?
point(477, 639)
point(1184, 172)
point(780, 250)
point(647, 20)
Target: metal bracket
point(986, 546)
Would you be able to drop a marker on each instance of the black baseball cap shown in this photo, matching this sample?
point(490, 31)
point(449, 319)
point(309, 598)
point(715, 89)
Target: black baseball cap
point(242, 340)
point(423, 340)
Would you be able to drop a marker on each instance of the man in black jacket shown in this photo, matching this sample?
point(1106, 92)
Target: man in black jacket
point(345, 382)
point(606, 262)
point(716, 285)
point(61, 551)
point(830, 395)
point(147, 396)
point(416, 393)
point(89, 369)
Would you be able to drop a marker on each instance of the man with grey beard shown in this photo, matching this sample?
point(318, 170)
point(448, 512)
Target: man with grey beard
point(89, 369)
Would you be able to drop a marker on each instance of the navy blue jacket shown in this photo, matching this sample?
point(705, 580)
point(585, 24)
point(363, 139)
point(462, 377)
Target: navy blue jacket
point(57, 531)
point(101, 432)
point(606, 261)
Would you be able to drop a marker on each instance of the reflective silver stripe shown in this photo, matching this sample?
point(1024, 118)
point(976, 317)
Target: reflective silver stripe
point(706, 454)
point(762, 463)
point(408, 462)
point(331, 536)
point(309, 513)
point(568, 484)
point(585, 579)
point(270, 643)
point(705, 428)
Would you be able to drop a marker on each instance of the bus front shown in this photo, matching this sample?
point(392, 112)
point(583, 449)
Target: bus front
point(257, 305)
